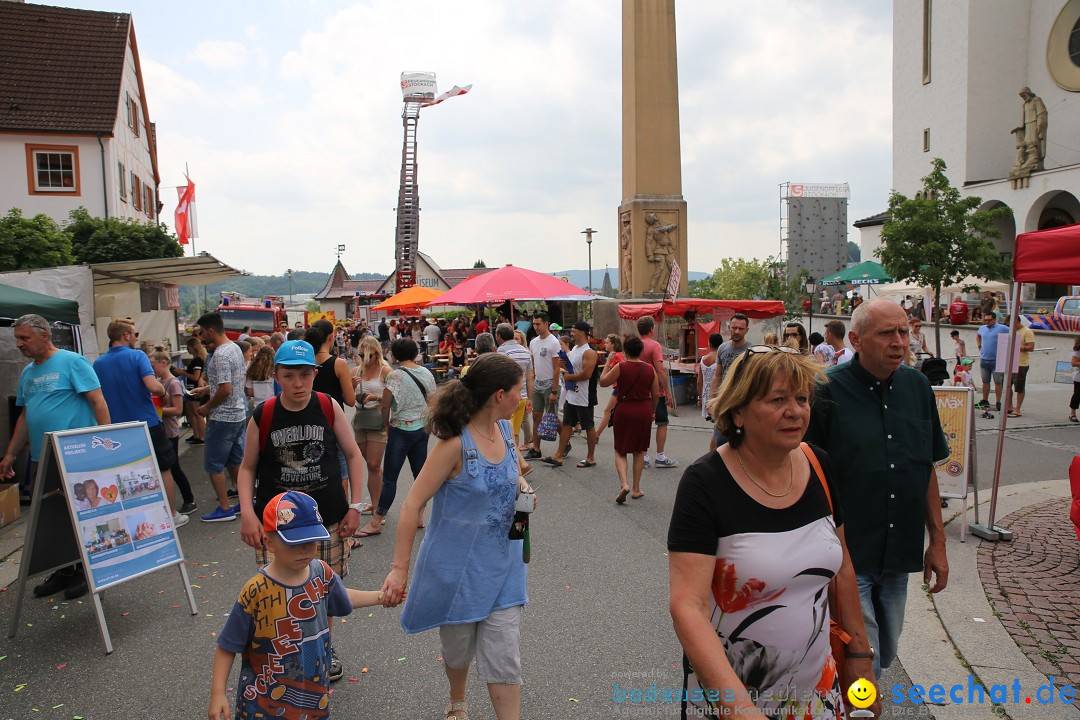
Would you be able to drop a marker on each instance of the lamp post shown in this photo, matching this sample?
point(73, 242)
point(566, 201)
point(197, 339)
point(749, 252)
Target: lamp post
point(588, 233)
point(289, 273)
point(811, 290)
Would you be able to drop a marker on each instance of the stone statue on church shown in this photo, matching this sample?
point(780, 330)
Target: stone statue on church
point(626, 255)
point(1031, 134)
point(660, 250)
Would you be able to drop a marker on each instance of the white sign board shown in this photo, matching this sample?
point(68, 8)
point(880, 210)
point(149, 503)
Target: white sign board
point(819, 190)
point(418, 85)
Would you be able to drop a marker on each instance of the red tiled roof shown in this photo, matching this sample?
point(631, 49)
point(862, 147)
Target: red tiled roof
point(60, 69)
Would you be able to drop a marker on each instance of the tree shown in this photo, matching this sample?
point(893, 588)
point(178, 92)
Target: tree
point(37, 242)
point(939, 237)
point(854, 252)
point(96, 240)
point(312, 306)
point(738, 279)
point(479, 264)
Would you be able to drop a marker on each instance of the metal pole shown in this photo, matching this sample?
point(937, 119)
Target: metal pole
point(1002, 533)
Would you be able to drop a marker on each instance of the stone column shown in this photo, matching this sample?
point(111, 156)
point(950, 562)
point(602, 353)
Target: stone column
point(652, 214)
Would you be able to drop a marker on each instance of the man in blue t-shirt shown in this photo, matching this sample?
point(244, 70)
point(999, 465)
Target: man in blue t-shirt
point(127, 381)
point(57, 391)
point(988, 347)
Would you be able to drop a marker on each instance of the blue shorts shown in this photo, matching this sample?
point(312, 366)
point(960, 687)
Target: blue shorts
point(224, 445)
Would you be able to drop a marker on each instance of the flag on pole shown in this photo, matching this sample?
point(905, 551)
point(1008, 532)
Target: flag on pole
point(183, 212)
point(452, 92)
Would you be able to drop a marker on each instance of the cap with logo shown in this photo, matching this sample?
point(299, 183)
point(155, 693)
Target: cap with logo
point(294, 517)
point(555, 326)
point(295, 352)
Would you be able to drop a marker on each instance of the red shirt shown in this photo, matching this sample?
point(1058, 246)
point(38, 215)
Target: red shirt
point(482, 327)
point(653, 355)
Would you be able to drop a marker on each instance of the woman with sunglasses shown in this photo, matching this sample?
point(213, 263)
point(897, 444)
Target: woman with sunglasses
point(756, 537)
point(795, 336)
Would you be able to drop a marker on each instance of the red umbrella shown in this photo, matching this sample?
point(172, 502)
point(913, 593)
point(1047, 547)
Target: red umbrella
point(511, 283)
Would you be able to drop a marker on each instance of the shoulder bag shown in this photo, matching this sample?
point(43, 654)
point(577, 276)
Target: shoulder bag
point(367, 418)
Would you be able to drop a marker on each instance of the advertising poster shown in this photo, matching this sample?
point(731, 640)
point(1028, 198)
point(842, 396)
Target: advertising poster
point(954, 409)
point(115, 493)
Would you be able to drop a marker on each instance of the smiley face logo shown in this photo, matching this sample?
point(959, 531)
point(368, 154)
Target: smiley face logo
point(862, 693)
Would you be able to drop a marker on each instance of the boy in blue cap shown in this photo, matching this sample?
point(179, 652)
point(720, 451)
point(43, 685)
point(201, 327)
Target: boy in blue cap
point(292, 444)
point(281, 621)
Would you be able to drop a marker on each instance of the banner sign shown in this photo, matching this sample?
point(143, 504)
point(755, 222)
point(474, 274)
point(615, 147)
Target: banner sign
point(819, 190)
point(955, 408)
point(1063, 372)
point(117, 502)
point(312, 316)
point(418, 85)
point(673, 281)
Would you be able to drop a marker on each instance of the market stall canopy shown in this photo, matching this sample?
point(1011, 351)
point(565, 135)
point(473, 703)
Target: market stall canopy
point(865, 273)
point(511, 283)
point(407, 299)
point(754, 309)
point(15, 302)
point(902, 287)
point(1048, 256)
point(203, 269)
point(971, 281)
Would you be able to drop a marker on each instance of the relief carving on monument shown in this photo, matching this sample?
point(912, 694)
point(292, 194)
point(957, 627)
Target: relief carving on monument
point(626, 255)
point(1030, 139)
point(661, 248)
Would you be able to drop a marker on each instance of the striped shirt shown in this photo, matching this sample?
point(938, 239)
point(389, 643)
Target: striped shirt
point(519, 354)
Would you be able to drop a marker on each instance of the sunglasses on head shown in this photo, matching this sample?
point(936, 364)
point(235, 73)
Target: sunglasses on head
point(762, 350)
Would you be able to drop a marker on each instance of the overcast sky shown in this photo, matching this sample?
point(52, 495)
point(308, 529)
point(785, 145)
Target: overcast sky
point(288, 113)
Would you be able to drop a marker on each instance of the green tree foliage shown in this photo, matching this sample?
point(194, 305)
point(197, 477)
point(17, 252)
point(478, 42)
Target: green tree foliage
point(27, 243)
point(479, 264)
point(854, 252)
point(738, 279)
point(312, 306)
point(939, 237)
point(97, 240)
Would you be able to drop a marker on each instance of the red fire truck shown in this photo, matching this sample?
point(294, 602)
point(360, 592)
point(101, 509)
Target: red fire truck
point(262, 315)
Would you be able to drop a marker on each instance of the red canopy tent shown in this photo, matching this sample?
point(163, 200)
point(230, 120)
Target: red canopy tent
point(1045, 256)
point(754, 309)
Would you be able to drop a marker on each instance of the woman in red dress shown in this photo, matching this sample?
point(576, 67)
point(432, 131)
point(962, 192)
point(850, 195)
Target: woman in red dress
point(633, 416)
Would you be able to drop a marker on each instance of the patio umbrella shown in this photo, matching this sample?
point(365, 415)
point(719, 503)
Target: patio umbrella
point(511, 283)
point(865, 273)
point(409, 298)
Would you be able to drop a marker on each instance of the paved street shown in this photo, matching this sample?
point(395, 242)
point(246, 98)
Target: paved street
point(597, 611)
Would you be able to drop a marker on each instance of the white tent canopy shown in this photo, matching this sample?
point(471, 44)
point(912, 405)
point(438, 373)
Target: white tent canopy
point(907, 287)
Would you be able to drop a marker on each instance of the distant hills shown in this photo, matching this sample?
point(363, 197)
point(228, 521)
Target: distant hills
point(581, 277)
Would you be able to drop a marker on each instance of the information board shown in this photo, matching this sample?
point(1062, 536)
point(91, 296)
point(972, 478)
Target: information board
point(955, 408)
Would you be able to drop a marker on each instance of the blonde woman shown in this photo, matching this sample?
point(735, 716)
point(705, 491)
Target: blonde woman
point(369, 379)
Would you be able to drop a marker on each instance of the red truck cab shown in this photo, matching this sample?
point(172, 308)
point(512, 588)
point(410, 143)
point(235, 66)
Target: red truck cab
point(262, 315)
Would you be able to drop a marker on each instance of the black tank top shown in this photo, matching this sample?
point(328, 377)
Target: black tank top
point(301, 453)
point(327, 382)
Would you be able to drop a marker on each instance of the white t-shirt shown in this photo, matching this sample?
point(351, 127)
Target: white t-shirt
point(543, 350)
point(579, 396)
point(431, 333)
point(843, 356)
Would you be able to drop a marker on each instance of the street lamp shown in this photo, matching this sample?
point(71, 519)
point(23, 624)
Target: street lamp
point(289, 273)
point(588, 233)
point(811, 290)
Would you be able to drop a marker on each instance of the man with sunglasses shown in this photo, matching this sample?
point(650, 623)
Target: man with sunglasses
point(878, 420)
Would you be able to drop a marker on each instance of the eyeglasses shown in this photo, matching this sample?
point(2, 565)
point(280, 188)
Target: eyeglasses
point(761, 350)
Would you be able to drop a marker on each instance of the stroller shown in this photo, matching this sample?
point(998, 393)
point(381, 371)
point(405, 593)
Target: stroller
point(935, 369)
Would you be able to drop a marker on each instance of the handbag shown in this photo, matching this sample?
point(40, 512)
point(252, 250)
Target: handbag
point(838, 637)
point(548, 429)
point(367, 419)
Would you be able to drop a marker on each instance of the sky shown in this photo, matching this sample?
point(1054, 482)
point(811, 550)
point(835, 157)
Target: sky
point(288, 115)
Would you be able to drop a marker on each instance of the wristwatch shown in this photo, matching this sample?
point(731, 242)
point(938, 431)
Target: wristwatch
point(861, 655)
point(360, 506)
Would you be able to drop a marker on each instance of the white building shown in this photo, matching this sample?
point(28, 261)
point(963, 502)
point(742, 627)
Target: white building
point(74, 125)
point(958, 69)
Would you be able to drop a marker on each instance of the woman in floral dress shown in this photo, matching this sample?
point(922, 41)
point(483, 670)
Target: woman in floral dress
point(753, 546)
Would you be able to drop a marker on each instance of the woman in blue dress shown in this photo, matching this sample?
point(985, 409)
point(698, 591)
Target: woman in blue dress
point(470, 577)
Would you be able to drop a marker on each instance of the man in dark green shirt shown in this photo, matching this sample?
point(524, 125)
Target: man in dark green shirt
point(879, 422)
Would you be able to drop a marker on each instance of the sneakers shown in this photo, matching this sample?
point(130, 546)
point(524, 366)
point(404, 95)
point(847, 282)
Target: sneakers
point(646, 463)
point(997, 406)
point(336, 671)
point(188, 508)
point(233, 493)
point(221, 515)
point(665, 461)
point(77, 589)
point(533, 454)
point(179, 520)
point(982, 405)
point(62, 579)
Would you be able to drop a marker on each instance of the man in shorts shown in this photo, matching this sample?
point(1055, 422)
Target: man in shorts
point(1025, 338)
point(988, 347)
point(653, 354)
point(544, 349)
point(511, 348)
point(578, 411)
point(226, 413)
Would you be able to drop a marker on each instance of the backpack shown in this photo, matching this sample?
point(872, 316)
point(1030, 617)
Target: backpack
point(267, 416)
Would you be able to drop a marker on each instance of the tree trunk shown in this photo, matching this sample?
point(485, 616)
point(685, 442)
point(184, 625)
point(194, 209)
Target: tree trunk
point(937, 320)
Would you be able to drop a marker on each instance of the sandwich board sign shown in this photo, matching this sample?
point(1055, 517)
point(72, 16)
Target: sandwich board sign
point(99, 498)
point(956, 410)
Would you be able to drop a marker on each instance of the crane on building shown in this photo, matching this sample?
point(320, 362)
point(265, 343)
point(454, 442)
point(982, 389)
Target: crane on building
point(418, 90)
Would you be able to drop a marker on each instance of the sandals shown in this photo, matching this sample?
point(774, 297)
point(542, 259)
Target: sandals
point(1072, 418)
point(457, 706)
point(621, 498)
point(1014, 414)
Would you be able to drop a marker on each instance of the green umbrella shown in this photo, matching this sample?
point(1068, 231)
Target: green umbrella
point(16, 301)
point(865, 273)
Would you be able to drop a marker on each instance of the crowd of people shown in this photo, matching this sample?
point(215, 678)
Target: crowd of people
point(796, 440)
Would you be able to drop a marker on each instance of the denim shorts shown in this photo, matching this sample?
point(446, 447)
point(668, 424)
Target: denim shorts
point(224, 445)
point(987, 369)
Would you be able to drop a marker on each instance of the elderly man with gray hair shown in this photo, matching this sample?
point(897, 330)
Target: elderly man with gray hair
point(59, 390)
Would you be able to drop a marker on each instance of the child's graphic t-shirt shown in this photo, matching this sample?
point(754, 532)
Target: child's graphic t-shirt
point(284, 636)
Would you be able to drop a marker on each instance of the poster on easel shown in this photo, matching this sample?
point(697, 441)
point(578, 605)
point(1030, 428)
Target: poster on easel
point(955, 406)
point(105, 479)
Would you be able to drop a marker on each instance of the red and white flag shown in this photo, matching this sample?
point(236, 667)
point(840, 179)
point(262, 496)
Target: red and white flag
point(452, 92)
point(183, 212)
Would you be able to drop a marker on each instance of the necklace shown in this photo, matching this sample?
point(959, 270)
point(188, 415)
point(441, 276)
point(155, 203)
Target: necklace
point(791, 482)
point(492, 439)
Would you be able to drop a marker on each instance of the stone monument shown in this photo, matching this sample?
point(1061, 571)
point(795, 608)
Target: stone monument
point(652, 215)
point(1030, 139)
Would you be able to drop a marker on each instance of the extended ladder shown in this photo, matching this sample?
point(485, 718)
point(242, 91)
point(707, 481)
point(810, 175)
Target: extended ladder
point(408, 205)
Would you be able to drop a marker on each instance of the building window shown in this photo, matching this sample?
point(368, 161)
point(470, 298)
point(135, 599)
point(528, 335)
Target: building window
point(148, 206)
point(135, 117)
point(122, 172)
point(927, 12)
point(926, 140)
point(52, 169)
point(136, 192)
